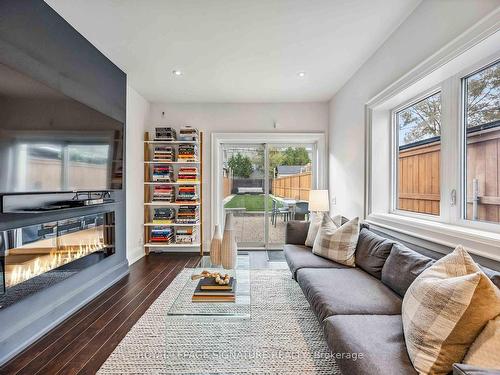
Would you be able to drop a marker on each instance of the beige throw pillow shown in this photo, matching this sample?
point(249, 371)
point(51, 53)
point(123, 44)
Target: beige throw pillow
point(337, 243)
point(485, 350)
point(315, 223)
point(445, 309)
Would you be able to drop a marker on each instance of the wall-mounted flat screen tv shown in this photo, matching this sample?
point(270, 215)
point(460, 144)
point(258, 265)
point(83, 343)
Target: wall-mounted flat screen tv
point(50, 142)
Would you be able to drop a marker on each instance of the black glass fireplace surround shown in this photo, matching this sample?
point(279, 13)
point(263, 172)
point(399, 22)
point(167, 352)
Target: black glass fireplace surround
point(36, 257)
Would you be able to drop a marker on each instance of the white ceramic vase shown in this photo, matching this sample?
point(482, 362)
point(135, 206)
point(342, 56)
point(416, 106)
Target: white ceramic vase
point(229, 250)
point(215, 247)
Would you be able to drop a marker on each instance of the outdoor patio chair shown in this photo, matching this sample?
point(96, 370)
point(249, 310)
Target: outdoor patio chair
point(302, 210)
point(280, 211)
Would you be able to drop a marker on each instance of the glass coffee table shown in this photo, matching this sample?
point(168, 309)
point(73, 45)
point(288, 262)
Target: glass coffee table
point(184, 306)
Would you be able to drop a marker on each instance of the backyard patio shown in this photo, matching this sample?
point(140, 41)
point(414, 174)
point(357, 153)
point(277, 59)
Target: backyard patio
point(249, 220)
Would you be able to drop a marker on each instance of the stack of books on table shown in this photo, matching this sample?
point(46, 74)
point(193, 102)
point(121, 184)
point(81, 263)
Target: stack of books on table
point(164, 153)
point(165, 134)
point(209, 291)
point(187, 152)
point(188, 215)
point(188, 133)
point(185, 235)
point(164, 215)
point(187, 174)
point(163, 193)
point(163, 173)
point(187, 194)
point(163, 235)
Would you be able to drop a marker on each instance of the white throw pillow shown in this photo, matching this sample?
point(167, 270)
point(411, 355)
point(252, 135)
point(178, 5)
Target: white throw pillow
point(337, 244)
point(314, 224)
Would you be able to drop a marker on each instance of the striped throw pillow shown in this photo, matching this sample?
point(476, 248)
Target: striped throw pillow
point(445, 309)
point(337, 243)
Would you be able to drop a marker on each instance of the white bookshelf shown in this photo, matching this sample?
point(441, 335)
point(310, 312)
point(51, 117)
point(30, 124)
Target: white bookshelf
point(149, 162)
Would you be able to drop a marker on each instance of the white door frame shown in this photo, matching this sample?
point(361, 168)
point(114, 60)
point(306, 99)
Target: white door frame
point(217, 139)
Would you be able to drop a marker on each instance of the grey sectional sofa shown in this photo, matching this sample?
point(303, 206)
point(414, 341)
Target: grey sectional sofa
point(360, 308)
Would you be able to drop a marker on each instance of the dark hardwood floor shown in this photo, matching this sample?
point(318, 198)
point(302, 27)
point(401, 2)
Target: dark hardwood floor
point(82, 343)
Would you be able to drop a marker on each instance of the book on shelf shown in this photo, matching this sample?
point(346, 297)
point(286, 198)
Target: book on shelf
point(163, 235)
point(188, 214)
point(163, 173)
point(164, 215)
point(187, 194)
point(164, 153)
point(165, 134)
point(188, 133)
point(163, 193)
point(187, 152)
point(185, 235)
point(187, 174)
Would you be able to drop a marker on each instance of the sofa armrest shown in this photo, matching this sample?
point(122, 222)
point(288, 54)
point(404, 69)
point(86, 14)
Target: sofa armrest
point(296, 232)
point(462, 369)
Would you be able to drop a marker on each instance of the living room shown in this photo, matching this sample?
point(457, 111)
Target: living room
point(239, 187)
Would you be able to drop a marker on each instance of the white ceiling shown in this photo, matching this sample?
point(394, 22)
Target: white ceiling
point(236, 50)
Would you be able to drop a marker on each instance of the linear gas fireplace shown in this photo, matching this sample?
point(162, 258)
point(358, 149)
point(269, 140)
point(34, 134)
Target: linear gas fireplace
point(38, 256)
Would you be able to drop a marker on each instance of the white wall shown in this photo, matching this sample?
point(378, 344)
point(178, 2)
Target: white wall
point(137, 117)
point(244, 118)
point(431, 26)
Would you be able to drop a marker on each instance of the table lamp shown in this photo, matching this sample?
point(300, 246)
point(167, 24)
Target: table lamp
point(319, 201)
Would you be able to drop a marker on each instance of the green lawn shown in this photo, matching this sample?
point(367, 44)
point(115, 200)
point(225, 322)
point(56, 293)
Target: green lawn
point(251, 202)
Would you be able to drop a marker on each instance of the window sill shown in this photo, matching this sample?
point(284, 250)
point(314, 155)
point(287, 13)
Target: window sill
point(478, 242)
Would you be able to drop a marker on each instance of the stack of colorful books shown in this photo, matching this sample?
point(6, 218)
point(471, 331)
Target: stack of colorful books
point(165, 134)
point(164, 235)
point(209, 291)
point(163, 173)
point(187, 152)
point(164, 193)
point(164, 215)
point(188, 133)
point(188, 215)
point(185, 235)
point(164, 153)
point(187, 174)
point(187, 194)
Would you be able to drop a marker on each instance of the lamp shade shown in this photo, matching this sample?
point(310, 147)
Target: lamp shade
point(319, 201)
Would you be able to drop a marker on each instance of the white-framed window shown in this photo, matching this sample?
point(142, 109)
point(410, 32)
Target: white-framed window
point(416, 157)
point(452, 72)
point(445, 157)
point(480, 133)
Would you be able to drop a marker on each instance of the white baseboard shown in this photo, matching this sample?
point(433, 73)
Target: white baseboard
point(133, 255)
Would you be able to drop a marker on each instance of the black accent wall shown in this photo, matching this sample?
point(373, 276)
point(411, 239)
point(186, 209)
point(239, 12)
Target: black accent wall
point(36, 41)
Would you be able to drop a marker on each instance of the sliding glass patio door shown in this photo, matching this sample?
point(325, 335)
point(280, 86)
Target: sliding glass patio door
point(264, 185)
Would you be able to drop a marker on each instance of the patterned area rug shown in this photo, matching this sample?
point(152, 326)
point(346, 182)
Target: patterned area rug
point(282, 336)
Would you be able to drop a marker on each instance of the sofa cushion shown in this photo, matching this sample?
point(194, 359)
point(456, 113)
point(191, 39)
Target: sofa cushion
point(346, 291)
point(300, 256)
point(372, 251)
point(379, 338)
point(402, 267)
point(296, 232)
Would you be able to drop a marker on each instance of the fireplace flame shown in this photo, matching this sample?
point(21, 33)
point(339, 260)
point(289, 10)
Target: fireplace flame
point(57, 257)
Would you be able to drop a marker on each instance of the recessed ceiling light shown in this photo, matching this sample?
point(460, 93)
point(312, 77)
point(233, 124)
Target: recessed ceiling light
point(176, 72)
point(301, 74)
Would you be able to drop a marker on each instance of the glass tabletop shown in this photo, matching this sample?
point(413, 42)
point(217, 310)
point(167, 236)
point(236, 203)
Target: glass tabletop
point(183, 305)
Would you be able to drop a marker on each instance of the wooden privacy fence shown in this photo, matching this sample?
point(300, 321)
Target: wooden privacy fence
point(419, 177)
point(294, 186)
